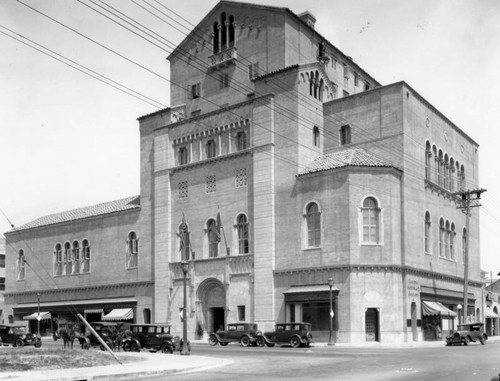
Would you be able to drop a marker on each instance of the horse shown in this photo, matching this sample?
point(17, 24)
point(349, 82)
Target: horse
point(68, 336)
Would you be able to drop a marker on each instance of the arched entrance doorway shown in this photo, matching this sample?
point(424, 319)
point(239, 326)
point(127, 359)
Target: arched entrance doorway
point(211, 313)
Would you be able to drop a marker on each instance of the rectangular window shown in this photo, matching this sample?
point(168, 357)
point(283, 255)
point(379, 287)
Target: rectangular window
point(2, 260)
point(367, 86)
point(183, 155)
point(211, 185)
point(183, 189)
point(345, 135)
point(195, 91)
point(2, 284)
point(211, 149)
point(253, 70)
point(241, 313)
point(223, 80)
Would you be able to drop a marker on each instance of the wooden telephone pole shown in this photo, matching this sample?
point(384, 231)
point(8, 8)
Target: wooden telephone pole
point(467, 199)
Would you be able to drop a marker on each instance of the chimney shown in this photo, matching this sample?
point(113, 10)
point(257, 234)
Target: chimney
point(308, 18)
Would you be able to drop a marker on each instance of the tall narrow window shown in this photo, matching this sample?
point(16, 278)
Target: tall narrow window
point(242, 228)
point(441, 237)
point(195, 91)
point(345, 135)
point(223, 32)
point(241, 141)
point(313, 218)
point(21, 265)
point(75, 258)
point(428, 155)
point(231, 31)
point(215, 32)
point(452, 241)
point(58, 261)
point(211, 149)
point(67, 259)
point(316, 136)
point(427, 239)
point(440, 168)
point(241, 313)
point(213, 239)
point(371, 220)
point(447, 235)
point(183, 155)
point(132, 250)
point(85, 256)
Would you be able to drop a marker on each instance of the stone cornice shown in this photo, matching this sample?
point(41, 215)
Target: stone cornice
point(377, 268)
point(33, 293)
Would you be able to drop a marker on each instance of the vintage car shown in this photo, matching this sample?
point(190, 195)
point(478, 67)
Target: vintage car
point(112, 334)
point(466, 333)
point(295, 334)
point(155, 337)
point(17, 336)
point(244, 333)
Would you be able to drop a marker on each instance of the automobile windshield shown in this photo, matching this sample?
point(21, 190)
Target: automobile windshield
point(19, 330)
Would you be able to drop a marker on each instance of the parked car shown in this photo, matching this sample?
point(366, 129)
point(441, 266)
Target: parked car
point(466, 333)
point(17, 336)
point(112, 334)
point(155, 337)
point(295, 334)
point(244, 333)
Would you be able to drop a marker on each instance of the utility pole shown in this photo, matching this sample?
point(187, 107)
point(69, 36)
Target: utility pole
point(467, 199)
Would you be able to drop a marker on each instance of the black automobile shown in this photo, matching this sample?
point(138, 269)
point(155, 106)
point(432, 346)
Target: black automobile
point(110, 332)
point(244, 333)
point(295, 334)
point(155, 337)
point(466, 333)
point(17, 336)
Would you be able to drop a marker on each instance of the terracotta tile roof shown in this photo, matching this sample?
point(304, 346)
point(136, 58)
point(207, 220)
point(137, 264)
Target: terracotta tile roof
point(81, 213)
point(348, 158)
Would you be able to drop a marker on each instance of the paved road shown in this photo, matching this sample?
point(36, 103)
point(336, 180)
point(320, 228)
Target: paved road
point(458, 363)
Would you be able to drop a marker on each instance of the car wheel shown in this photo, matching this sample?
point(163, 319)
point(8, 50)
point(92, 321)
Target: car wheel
point(245, 341)
point(19, 343)
point(166, 348)
point(85, 346)
point(212, 340)
point(295, 342)
point(260, 342)
point(134, 347)
point(38, 343)
point(223, 344)
point(126, 346)
point(466, 340)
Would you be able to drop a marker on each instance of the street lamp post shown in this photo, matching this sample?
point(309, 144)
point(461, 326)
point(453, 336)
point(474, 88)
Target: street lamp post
point(330, 284)
point(38, 317)
point(185, 349)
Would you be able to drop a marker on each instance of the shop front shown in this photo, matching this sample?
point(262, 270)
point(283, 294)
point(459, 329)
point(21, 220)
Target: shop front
point(438, 321)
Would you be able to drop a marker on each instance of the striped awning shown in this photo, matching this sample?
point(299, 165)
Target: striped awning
point(119, 314)
point(436, 308)
point(488, 313)
point(34, 316)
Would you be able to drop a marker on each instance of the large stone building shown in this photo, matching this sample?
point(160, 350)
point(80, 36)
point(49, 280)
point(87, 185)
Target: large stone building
point(280, 164)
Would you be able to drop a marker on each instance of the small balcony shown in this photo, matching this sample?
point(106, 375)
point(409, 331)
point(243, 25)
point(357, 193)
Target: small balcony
point(222, 59)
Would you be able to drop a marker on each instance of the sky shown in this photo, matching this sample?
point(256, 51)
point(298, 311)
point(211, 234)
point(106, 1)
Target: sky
point(69, 140)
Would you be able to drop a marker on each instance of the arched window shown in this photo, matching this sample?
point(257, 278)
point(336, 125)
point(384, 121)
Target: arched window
point(85, 256)
point(440, 168)
point(316, 136)
point(215, 31)
point(231, 31)
point(452, 171)
point(447, 235)
point(427, 232)
point(462, 178)
point(213, 238)
point(67, 259)
point(441, 237)
point(132, 250)
point(371, 220)
point(313, 218)
point(241, 141)
point(75, 258)
point(428, 155)
point(446, 171)
point(453, 233)
point(58, 260)
point(21, 265)
point(183, 155)
point(223, 32)
point(211, 149)
point(242, 229)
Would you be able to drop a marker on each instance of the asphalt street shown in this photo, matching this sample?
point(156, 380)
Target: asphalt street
point(437, 363)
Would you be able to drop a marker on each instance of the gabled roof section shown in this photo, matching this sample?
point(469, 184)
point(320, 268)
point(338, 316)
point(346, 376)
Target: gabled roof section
point(357, 157)
point(81, 213)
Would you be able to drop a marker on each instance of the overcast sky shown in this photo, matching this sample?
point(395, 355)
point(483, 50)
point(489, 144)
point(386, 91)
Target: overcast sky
point(69, 140)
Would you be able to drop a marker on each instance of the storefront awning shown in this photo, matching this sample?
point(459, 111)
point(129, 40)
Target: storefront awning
point(309, 293)
point(436, 308)
point(488, 313)
point(309, 288)
point(34, 316)
point(94, 311)
point(119, 314)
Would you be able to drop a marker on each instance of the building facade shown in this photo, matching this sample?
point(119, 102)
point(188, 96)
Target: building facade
point(281, 164)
